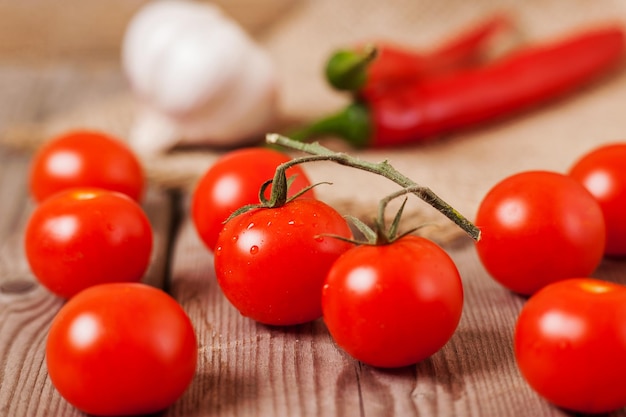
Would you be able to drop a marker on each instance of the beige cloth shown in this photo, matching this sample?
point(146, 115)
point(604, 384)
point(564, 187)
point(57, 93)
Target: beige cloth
point(460, 168)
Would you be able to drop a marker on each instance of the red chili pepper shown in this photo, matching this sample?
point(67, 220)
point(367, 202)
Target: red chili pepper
point(421, 111)
point(378, 66)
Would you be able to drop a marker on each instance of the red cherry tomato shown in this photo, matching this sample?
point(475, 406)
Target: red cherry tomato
point(539, 227)
point(393, 305)
point(83, 237)
point(233, 182)
point(121, 349)
point(85, 159)
point(603, 172)
point(570, 344)
point(271, 263)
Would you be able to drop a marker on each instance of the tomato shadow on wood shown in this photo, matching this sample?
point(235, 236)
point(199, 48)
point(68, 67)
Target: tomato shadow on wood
point(612, 269)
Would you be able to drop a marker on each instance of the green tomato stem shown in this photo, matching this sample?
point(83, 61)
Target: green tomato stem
point(391, 234)
point(318, 152)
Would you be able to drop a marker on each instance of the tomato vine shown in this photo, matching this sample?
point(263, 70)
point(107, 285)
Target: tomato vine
point(318, 152)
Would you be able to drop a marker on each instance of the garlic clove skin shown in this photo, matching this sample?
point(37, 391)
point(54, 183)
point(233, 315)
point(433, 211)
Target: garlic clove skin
point(245, 113)
point(197, 76)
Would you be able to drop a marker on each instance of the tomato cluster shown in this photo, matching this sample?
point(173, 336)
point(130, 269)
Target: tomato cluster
point(544, 235)
point(117, 347)
point(398, 302)
point(283, 257)
point(387, 305)
point(88, 227)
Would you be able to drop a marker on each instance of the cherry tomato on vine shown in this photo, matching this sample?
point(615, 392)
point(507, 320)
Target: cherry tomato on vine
point(539, 227)
point(271, 262)
point(83, 237)
point(393, 305)
point(85, 159)
point(233, 182)
point(570, 344)
point(121, 349)
point(603, 172)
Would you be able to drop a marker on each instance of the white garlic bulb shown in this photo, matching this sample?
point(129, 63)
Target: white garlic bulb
point(199, 78)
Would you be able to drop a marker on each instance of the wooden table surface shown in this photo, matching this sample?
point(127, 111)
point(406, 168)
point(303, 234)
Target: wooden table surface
point(244, 368)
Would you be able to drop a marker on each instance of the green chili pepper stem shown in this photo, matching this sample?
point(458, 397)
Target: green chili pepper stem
point(353, 124)
point(347, 70)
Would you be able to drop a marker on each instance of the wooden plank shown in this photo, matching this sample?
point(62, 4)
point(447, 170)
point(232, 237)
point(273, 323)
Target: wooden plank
point(248, 369)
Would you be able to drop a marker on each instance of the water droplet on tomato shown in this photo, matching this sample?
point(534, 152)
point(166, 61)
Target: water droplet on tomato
point(234, 238)
point(254, 249)
point(319, 238)
point(250, 226)
point(291, 222)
